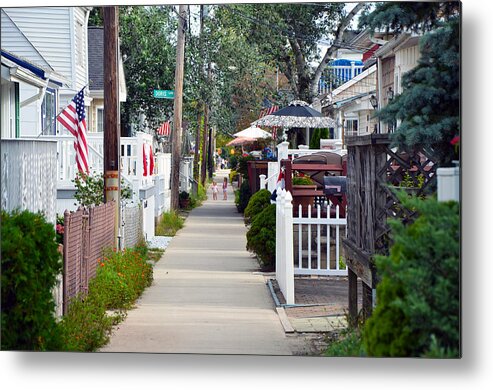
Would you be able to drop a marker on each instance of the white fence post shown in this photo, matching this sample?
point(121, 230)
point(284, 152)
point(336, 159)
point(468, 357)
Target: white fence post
point(262, 181)
point(284, 245)
point(448, 184)
point(289, 258)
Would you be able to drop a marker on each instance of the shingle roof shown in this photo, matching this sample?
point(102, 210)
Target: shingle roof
point(95, 41)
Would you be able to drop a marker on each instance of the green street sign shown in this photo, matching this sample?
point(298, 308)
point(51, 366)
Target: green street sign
point(164, 94)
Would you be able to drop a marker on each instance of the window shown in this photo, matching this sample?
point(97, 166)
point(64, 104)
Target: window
point(48, 108)
point(351, 126)
point(100, 120)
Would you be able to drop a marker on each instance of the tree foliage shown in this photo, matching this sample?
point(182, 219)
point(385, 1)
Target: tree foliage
point(418, 298)
point(429, 107)
point(147, 45)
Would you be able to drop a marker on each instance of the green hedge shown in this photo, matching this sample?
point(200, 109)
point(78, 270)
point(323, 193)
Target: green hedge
point(257, 202)
point(244, 194)
point(30, 266)
point(261, 238)
point(418, 307)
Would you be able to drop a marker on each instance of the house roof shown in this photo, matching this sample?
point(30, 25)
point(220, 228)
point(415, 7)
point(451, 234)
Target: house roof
point(401, 41)
point(95, 49)
point(95, 59)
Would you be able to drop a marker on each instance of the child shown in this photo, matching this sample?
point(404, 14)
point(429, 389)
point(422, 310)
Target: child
point(214, 190)
point(225, 189)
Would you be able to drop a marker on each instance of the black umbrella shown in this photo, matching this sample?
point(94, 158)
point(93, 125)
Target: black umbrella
point(296, 114)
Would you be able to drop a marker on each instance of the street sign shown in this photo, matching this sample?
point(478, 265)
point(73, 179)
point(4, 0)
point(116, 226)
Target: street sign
point(163, 94)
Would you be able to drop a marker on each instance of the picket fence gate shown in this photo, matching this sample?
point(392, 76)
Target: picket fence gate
point(306, 245)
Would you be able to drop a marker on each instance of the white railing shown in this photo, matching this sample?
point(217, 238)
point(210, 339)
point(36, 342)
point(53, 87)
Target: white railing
point(317, 243)
point(306, 245)
point(284, 245)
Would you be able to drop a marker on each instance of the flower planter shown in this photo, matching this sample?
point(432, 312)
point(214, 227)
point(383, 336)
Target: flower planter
point(303, 200)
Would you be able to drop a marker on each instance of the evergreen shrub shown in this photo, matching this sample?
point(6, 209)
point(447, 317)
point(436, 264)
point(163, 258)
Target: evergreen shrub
point(261, 237)
point(418, 308)
point(256, 204)
point(30, 266)
point(243, 196)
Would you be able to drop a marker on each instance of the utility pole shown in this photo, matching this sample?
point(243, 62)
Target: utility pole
point(176, 135)
point(203, 165)
point(111, 140)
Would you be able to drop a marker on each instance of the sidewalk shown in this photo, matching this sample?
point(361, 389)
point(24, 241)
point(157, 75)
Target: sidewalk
point(206, 296)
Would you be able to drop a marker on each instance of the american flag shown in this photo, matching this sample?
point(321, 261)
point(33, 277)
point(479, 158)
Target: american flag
point(73, 118)
point(268, 111)
point(164, 129)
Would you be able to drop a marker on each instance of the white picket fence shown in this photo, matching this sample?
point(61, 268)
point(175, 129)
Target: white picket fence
point(306, 245)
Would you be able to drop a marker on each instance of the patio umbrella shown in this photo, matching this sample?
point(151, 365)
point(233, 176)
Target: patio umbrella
point(253, 132)
point(240, 141)
point(297, 114)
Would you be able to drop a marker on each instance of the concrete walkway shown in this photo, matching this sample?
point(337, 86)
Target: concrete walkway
point(207, 296)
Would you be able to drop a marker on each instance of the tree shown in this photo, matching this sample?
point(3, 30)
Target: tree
point(147, 45)
point(429, 107)
point(287, 36)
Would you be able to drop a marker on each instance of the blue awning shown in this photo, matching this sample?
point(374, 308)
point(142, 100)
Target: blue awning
point(38, 71)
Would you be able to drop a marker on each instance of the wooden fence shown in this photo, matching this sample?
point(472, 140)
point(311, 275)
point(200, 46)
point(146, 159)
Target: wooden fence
point(373, 169)
point(87, 233)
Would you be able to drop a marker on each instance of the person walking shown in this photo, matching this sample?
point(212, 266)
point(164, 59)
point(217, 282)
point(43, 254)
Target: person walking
point(225, 189)
point(215, 190)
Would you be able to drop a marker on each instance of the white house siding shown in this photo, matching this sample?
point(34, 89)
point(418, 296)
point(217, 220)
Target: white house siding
point(405, 60)
point(14, 41)
point(80, 47)
point(48, 29)
point(353, 88)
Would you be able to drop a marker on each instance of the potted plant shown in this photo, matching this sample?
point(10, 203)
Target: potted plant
point(302, 183)
point(184, 200)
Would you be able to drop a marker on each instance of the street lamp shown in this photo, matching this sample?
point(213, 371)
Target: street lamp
point(390, 94)
point(374, 101)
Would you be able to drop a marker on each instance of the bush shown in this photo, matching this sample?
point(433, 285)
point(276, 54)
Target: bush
point(169, 224)
point(243, 196)
point(89, 190)
point(30, 266)
point(261, 238)
point(233, 162)
point(302, 181)
point(243, 166)
point(317, 135)
point(256, 204)
point(418, 312)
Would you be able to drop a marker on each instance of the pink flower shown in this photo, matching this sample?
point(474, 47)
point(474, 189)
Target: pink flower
point(455, 140)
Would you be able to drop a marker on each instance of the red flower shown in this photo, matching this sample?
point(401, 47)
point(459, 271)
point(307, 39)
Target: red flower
point(455, 140)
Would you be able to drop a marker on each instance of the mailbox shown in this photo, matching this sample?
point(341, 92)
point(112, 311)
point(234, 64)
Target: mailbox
point(334, 185)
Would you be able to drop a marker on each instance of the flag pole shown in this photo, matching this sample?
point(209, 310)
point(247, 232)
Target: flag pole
point(63, 109)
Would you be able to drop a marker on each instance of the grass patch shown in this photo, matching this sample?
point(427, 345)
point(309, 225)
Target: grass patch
point(348, 344)
point(120, 279)
point(154, 254)
point(170, 223)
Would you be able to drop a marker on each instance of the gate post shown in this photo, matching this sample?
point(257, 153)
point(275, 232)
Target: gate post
point(289, 258)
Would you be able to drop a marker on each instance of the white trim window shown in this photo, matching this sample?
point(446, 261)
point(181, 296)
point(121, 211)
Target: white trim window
point(48, 112)
point(99, 119)
point(351, 126)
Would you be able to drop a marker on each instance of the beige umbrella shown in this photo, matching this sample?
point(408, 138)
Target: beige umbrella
point(241, 141)
point(253, 132)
